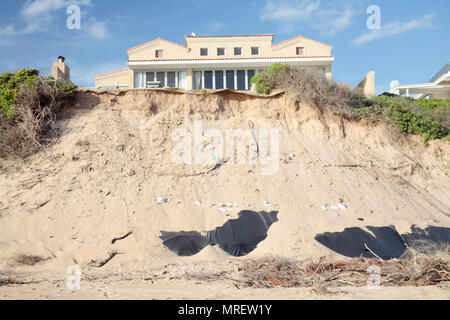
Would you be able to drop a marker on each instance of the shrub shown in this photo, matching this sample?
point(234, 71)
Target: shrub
point(29, 106)
point(401, 112)
point(9, 85)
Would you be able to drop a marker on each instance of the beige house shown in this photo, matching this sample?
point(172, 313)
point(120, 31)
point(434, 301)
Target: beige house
point(213, 62)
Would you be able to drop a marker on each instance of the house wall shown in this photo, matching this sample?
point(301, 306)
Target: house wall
point(121, 79)
point(171, 51)
point(311, 49)
point(264, 44)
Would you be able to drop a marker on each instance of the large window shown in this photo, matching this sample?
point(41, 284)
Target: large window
point(238, 51)
point(161, 77)
point(220, 52)
point(219, 80)
point(171, 79)
point(230, 79)
point(208, 79)
point(197, 80)
point(139, 80)
point(240, 79)
point(204, 52)
point(251, 74)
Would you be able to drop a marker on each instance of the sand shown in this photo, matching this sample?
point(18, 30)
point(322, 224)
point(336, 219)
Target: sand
point(101, 180)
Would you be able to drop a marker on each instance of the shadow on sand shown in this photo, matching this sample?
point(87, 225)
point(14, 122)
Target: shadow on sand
point(384, 242)
point(237, 237)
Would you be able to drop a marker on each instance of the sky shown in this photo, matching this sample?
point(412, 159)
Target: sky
point(411, 45)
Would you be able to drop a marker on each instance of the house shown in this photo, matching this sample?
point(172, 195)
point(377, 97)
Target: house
point(213, 62)
point(438, 87)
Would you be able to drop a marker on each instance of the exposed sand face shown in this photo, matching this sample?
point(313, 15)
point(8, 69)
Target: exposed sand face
point(102, 179)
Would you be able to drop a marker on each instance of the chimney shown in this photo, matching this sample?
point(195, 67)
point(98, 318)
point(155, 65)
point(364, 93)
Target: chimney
point(60, 71)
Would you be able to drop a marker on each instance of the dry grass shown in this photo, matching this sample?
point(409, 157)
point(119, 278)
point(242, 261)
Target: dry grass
point(33, 124)
point(412, 270)
point(306, 85)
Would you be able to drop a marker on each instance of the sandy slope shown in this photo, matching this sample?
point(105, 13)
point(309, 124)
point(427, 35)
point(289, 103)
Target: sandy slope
point(113, 160)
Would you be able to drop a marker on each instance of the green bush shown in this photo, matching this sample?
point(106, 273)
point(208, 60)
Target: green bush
point(399, 111)
point(9, 85)
point(265, 82)
point(29, 106)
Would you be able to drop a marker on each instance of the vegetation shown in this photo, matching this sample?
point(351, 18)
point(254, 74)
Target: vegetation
point(429, 118)
point(29, 105)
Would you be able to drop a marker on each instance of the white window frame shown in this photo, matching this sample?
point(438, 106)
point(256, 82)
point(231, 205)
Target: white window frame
point(238, 55)
point(207, 52)
point(300, 55)
point(163, 53)
point(256, 54)
point(224, 52)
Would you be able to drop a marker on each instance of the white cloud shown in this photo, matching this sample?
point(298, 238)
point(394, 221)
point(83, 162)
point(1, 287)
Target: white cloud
point(6, 35)
point(38, 14)
point(328, 19)
point(214, 26)
point(288, 11)
point(394, 28)
point(98, 30)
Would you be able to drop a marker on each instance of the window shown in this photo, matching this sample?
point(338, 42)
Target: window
point(159, 54)
point(139, 78)
point(220, 52)
point(161, 77)
point(219, 80)
point(240, 74)
point(238, 51)
point(255, 51)
point(208, 79)
point(251, 74)
point(230, 79)
point(171, 79)
point(204, 52)
point(300, 51)
point(197, 80)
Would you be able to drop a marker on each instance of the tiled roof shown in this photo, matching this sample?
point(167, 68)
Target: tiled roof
point(156, 40)
point(215, 59)
point(107, 74)
point(298, 37)
point(235, 36)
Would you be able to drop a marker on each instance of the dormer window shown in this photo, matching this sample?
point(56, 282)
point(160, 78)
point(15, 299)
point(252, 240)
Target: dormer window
point(159, 54)
point(220, 52)
point(238, 51)
point(255, 51)
point(204, 52)
point(300, 51)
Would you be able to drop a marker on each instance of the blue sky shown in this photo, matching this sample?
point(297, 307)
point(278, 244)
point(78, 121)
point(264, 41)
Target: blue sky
point(412, 45)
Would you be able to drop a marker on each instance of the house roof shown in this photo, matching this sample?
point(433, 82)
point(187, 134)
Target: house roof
point(236, 36)
point(110, 73)
point(300, 37)
point(441, 72)
point(153, 41)
point(226, 59)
